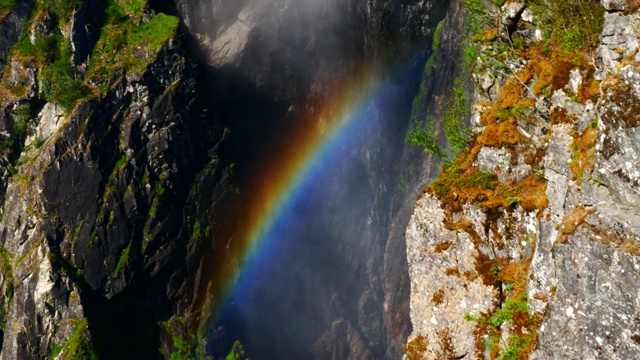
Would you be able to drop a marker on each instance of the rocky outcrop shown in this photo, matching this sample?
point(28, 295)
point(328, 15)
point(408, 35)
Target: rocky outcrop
point(535, 252)
point(104, 213)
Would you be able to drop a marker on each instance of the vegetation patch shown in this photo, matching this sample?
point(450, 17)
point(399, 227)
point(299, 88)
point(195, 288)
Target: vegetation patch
point(134, 8)
point(185, 343)
point(572, 25)
point(6, 267)
point(126, 46)
point(237, 352)
point(123, 260)
point(523, 334)
point(6, 6)
point(77, 346)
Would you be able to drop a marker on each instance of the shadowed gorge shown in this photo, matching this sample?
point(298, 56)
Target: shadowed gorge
point(304, 68)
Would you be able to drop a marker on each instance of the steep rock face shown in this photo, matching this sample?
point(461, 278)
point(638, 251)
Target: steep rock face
point(104, 216)
point(535, 251)
point(12, 24)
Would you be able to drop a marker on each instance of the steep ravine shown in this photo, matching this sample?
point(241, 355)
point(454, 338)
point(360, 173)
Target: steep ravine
point(526, 245)
point(339, 287)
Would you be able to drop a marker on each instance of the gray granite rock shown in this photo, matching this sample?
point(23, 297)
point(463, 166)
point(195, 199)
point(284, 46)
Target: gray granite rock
point(585, 266)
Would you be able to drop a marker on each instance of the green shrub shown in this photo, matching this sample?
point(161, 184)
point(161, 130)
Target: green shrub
point(237, 352)
point(24, 47)
point(428, 139)
point(23, 114)
point(477, 15)
point(58, 84)
point(455, 114)
point(62, 8)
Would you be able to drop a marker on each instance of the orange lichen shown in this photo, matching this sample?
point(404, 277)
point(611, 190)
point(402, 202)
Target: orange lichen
point(443, 246)
point(572, 221)
point(452, 271)
point(447, 350)
point(590, 88)
point(553, 66)
point(584, 152)
point(541, 297)
point(559, 115)
point(438, 297)
point(416, 348)
point(625, 243)
point(510, 93)
point(530, 194)
point(503, 133)
point(632, 6)
point(488, 35)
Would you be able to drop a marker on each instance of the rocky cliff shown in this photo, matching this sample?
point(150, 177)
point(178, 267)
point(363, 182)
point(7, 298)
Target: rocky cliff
point(103, 147)
point(526, 245)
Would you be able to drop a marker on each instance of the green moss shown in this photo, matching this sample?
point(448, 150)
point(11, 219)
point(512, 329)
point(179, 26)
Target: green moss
point(574, 25)
point(515, 311)
point(153, 209)
point(184, 345)
point(55, 352)
point(125, 46)
point(77, 346)
point(53, 54)
point(122, 261)
point(483, 179)
point(8, 5)
point(133, 7)
point(237, 352)
point(454, 117)
point(516, 348)
point(453, 177)
point(435, 44)
point(427, 139)
point(24, 47)
point(6, 268)
point(159, 188)
point(62, 8)
point(196, 232)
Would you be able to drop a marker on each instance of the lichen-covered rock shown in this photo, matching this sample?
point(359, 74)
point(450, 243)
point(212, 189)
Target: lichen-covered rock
point(445, 284)
point(615, 5)
point(577, 256)
point(618, 41)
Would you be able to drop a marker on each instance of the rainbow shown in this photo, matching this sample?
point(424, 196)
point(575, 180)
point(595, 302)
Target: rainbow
point(285, 180)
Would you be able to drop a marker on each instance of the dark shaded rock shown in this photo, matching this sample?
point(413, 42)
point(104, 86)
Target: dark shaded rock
point(11, 27)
